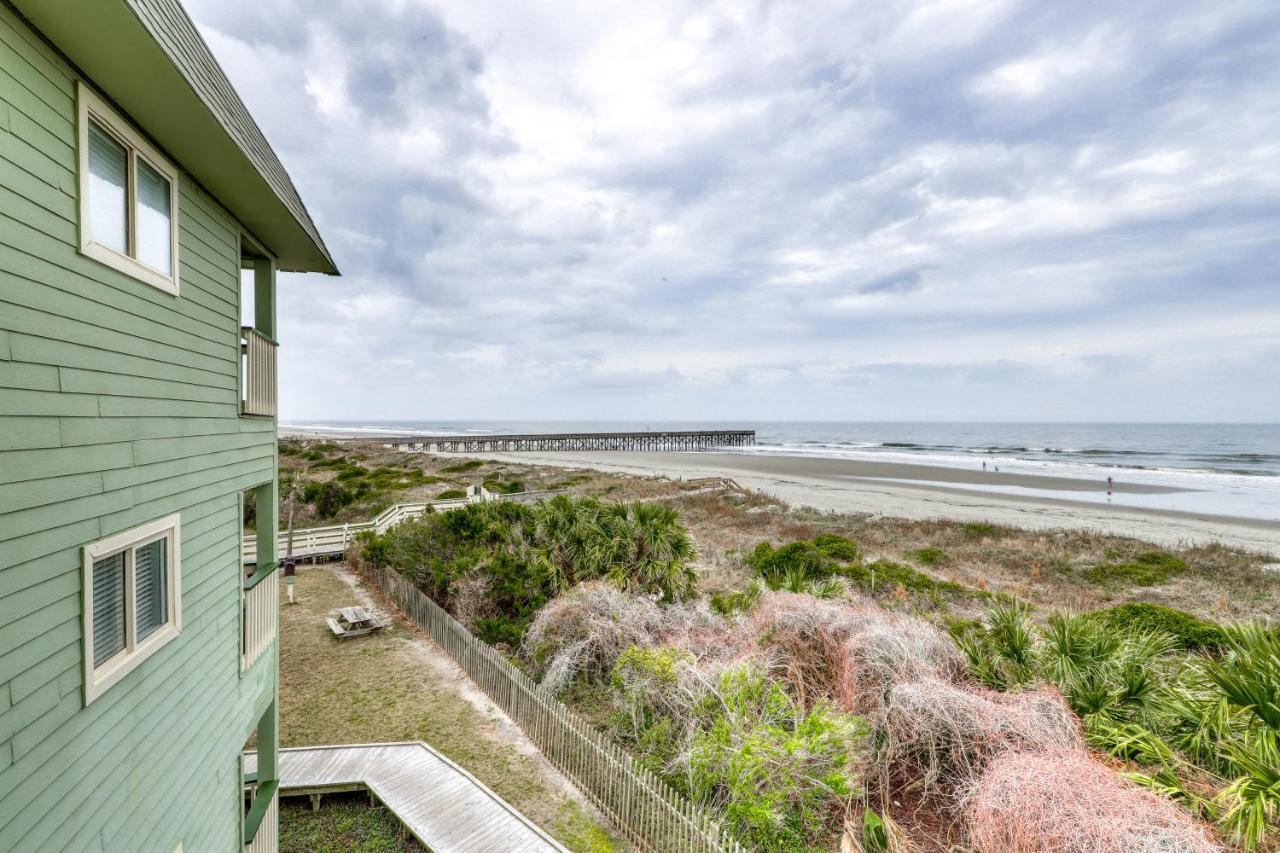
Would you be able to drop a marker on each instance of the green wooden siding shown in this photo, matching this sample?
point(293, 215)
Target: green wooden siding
point(119, 404)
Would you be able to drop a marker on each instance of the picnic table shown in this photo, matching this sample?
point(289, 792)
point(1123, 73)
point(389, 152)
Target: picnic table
point(354, 621)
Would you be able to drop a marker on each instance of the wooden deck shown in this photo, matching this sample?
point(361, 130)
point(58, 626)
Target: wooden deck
point(444, 806)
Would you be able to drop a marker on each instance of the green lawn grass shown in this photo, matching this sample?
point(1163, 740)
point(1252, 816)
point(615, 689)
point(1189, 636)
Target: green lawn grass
point(345, 823)
point(384, 687)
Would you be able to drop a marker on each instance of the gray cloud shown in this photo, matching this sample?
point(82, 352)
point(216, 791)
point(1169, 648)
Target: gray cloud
point(709, 210)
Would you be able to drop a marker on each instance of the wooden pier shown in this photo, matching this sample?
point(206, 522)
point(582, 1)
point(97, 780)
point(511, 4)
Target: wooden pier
point(653, 441)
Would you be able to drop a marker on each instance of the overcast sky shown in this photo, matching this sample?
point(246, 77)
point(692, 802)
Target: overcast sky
point(806, 210)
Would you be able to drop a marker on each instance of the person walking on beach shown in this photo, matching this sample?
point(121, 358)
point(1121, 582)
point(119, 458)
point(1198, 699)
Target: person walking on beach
point(984, 464)
point(1108, 487)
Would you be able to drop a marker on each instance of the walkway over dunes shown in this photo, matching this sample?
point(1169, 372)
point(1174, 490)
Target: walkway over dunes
point(690, 440)
point(444, 806)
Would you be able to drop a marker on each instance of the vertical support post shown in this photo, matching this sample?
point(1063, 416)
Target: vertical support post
point(267, 500)
point(264, 297)
point(269, 743)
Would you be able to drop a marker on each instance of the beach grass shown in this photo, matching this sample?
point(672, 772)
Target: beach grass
point(345, 823)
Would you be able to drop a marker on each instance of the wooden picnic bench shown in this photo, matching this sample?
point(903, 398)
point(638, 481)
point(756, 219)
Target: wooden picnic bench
point(354, 621)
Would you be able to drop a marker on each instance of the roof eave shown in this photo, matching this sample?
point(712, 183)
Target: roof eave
point(115, 45)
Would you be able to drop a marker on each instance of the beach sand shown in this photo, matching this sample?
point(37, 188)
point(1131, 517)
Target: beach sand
point(925, 491)
point(908, 490)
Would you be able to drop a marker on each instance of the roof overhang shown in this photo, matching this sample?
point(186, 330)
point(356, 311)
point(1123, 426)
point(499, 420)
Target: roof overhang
point(147, 57)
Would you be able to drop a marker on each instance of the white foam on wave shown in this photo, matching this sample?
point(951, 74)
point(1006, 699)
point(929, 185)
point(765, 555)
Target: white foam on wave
point(1186, 478)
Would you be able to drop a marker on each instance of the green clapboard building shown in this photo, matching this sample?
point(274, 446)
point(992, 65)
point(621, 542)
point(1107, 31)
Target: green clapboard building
point(143, 218)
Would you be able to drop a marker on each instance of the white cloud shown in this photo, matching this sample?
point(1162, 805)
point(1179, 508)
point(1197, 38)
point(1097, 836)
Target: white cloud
point(656, 210)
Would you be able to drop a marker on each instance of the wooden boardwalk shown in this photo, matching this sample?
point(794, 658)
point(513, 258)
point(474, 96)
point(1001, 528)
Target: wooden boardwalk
point(444, 806)
point(667, 440)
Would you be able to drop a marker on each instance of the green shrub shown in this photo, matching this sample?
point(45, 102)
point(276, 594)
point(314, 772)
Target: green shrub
point(1190, 632)
point(514, 594)
point(930, 556)
point(638, 664)
point(799, 562)
point(525, 554)
point(1150, 568)
point(469, 465)
point(1163, 560)
point(509, 487)
point(783, 775)
point(738, 601)
point(329, 497)
point(451, 495)
point(885, 576)
point(643, 681)
point(374, 550)
point(979, 530)
point(839, 548)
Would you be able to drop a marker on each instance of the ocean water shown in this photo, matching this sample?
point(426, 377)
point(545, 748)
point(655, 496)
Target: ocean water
point(1230, 469)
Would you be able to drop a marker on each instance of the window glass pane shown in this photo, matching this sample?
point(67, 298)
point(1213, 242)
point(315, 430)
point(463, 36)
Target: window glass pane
point(149, 574)
point(108, 176)
point(155, 243)
point(108, 607)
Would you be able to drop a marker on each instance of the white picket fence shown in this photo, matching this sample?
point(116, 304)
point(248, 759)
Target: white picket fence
point(647, 811)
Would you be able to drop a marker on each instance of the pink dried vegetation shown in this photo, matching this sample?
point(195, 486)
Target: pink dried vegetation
point(586, 630)
point(935, 732)
point(852, 653)
point(1065, 801)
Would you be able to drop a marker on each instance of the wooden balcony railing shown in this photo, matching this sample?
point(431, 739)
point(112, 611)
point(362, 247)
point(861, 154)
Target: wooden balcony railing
point(259, 392)
point(261, 607)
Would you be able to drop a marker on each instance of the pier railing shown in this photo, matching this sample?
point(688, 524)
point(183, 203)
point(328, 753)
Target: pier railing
point(665, 440)
point(647, 811)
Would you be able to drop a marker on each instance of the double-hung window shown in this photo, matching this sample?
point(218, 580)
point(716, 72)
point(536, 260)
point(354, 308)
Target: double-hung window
point(132, 600)
point(128, 197)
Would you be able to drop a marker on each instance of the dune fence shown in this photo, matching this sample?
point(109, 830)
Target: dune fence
point(648, 812)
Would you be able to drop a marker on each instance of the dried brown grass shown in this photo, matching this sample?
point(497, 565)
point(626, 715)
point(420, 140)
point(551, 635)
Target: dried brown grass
point(939, 736)
point(1068, 802)
point(850, 652)
point(582, 633)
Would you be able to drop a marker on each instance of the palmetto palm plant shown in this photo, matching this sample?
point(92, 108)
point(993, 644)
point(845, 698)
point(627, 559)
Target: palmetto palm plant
point(563, 536)
point(644, 547)
point(1196, 724)
point(1243, 713)
point(641, 547)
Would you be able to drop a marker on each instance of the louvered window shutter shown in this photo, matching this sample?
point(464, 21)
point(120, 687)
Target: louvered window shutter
point(108, 607)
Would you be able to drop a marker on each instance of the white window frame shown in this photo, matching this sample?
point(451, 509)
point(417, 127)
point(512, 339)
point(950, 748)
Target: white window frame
point(100, 678)
point(93, 107)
